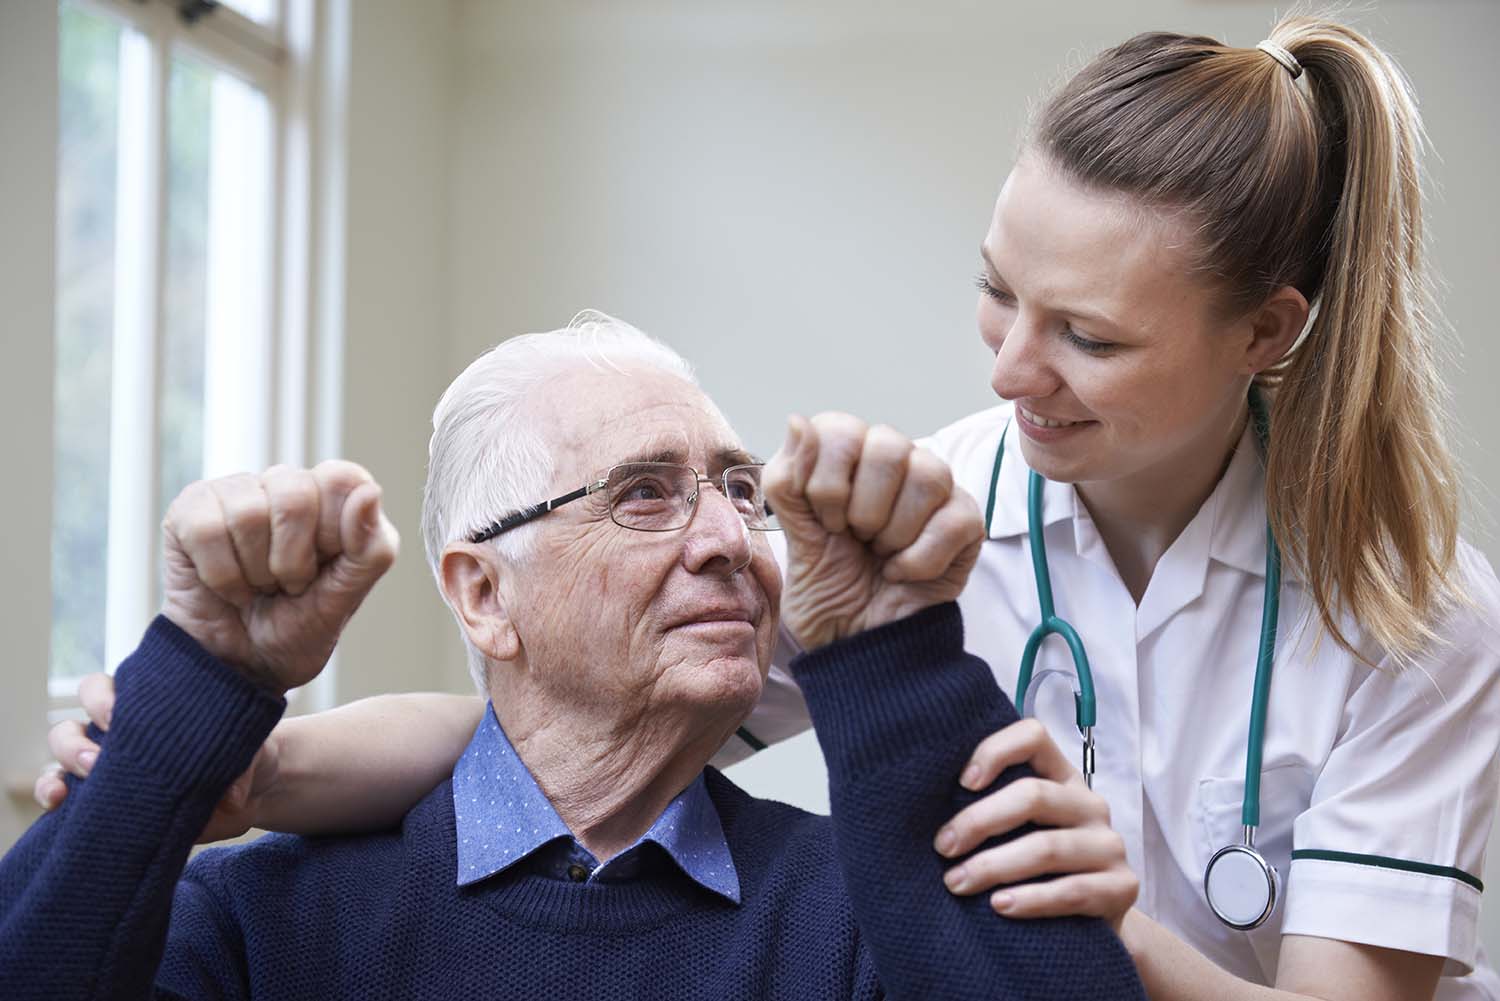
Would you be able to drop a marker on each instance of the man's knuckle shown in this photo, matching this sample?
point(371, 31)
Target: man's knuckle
point(886, 441)
point(932, 470)
point(294, 503)
point(199, 529)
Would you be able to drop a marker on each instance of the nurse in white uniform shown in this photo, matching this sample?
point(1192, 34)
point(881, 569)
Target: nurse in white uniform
point(1179, 210)
point(1151, 264)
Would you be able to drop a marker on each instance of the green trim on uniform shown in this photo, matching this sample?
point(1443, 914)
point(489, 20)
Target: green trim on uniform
point(756, 744)
point(1386, 862)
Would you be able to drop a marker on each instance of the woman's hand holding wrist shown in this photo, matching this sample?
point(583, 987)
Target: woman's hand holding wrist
point(1083, 856)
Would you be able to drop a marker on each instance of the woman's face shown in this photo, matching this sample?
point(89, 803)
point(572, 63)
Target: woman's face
point(1111, 349)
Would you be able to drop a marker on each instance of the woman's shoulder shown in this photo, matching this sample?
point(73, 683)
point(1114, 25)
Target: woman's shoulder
point(1475, 614)
point(1462, 654)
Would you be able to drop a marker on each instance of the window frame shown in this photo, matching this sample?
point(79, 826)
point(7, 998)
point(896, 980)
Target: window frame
point(299, 62)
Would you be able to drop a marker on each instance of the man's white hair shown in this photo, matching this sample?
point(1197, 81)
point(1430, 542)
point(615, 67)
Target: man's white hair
point(487, 459)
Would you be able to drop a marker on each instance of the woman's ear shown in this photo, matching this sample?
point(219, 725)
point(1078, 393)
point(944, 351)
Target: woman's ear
point(1275, 326)
point(473, 582)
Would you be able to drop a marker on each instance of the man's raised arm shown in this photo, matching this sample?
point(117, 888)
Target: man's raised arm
point(261, 574)
point(879, 544)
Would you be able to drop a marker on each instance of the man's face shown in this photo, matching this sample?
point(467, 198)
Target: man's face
point(630, 623)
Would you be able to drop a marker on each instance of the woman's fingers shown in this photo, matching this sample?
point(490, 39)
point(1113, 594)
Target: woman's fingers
point(97, 694)
point(1097, 894)
point(70, 745)
point(1025, 740)
point(50, 790)
point(1040, 853)
point(1028, 800)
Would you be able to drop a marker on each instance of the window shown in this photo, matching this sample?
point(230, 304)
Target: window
point(184, 208)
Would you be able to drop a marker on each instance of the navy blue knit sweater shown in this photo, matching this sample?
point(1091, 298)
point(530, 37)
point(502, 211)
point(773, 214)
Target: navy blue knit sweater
point(95, 903)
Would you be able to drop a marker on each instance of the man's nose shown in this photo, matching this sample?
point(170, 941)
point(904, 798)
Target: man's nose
point(717, 539)
point(1022, 367)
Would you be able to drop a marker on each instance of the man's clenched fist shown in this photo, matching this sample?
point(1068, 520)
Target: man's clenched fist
point(875, 528)
point(264, 571)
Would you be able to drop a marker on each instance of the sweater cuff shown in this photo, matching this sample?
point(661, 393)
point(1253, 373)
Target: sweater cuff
point(186, 716)
point(877, 696)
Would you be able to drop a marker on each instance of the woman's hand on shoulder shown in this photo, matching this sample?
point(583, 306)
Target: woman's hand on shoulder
point(76, 755)
point(1078, 848)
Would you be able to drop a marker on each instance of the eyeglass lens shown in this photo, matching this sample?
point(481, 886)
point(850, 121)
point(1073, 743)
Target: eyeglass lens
point(660, 497)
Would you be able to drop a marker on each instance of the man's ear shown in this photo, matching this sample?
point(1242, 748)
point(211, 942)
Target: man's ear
point(1274, 327)
point(473, 579)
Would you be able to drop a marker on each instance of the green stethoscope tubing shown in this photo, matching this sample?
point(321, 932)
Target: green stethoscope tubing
point(1084, 700)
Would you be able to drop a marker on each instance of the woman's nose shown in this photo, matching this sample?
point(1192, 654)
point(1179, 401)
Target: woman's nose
point(1022, 368)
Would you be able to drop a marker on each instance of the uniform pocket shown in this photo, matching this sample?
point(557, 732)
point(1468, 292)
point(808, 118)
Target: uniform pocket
point(1285, 792)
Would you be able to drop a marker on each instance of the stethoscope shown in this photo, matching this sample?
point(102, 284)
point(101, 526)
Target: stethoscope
point(1241, 886)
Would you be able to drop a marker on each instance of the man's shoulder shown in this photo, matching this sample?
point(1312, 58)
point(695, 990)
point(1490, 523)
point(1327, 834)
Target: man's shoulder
point(764, 831)
point(368, 858)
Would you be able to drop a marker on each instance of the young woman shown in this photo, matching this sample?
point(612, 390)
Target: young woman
point(1305, 807)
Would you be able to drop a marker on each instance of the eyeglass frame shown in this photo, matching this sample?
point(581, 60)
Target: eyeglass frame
point(528, 514)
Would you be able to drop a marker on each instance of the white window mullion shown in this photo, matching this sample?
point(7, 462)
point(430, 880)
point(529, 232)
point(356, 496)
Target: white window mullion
point(140, 241)
point(296, 193)
point(237, 420)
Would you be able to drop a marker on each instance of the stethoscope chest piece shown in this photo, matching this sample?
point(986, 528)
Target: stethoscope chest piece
point(1241, 886)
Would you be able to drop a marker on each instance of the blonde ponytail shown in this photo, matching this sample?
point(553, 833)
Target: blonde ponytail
point(1361, 485)
point(1310, 180)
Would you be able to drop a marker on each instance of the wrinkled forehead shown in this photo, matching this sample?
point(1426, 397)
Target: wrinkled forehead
point(593, 419)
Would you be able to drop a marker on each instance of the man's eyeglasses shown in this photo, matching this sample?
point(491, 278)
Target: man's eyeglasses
point(656, 497)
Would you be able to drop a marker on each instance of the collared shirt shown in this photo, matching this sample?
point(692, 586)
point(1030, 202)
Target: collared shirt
point(503, 819)
point(1377, 786)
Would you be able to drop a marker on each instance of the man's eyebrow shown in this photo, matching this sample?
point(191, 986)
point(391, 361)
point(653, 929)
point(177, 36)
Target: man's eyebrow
point(726, 457)
point(722, 458)
point(657, 453)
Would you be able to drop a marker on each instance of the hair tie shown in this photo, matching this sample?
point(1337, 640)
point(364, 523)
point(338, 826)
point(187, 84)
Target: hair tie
point(1282, 56)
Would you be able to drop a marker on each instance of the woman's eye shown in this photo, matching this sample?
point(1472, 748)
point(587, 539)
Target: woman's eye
point(982, 282)
point(1086, 344)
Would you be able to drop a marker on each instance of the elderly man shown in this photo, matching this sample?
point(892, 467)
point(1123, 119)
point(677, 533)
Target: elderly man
point(599, 533)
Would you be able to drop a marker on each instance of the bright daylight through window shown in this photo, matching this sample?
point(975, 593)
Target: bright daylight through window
point(166, 295)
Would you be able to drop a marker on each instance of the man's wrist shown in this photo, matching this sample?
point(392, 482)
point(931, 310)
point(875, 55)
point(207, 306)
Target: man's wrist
point(185, 715)
point(218, 647)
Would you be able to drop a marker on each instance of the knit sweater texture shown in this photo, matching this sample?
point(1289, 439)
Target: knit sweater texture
point(97, 900)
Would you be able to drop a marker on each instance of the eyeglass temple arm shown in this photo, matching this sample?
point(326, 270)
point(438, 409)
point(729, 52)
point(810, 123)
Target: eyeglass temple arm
point(521, 517)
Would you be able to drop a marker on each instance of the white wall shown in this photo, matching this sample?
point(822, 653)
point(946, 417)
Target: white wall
point(794, 194)
point(396, 352)
point(28, 182)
